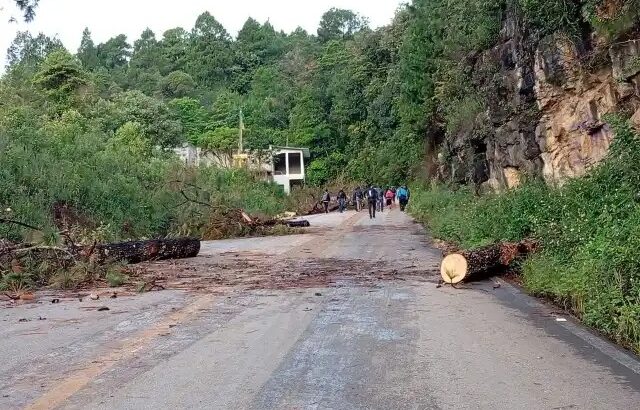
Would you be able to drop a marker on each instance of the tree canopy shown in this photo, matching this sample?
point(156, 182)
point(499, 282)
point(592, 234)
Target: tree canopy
point(366, 102)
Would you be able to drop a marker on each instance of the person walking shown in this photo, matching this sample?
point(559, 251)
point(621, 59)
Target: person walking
point(357, 198)
point(326, 198)
point(342, 201)
point(389, 197)
point(380, 199)
point(404, 195)
point(372, 201)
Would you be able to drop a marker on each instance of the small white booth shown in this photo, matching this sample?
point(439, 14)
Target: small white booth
point(288, 165)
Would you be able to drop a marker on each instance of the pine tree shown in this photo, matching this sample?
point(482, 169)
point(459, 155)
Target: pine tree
point(87, 52)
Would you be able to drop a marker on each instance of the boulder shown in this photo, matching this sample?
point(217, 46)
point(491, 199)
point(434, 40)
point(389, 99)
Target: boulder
point(625, 59)
point(635, 120)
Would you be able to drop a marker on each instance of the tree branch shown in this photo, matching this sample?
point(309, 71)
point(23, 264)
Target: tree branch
point(25, 225)
point(194, 200)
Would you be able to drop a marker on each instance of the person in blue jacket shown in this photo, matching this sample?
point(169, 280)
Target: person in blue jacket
point(403, 194)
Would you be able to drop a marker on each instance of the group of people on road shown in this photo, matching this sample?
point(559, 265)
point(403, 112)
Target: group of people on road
point(376, 199)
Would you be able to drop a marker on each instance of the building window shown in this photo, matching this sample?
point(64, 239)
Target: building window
point(279, 165)
point(295, 163)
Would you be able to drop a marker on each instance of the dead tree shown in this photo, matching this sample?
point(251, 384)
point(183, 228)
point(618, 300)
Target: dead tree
point(141, 251)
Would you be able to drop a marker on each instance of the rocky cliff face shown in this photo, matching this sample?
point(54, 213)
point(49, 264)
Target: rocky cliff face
point(548, 99)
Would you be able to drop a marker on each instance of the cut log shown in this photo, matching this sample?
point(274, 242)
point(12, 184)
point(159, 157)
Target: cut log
point(483, 262)
point(303, 223)
point(141, 251)
point(454, 267)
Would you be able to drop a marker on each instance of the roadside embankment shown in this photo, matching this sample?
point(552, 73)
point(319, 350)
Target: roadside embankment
point(589, 230)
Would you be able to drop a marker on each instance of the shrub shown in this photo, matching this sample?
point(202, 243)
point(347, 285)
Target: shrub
point(589, 229)
point(115, 277)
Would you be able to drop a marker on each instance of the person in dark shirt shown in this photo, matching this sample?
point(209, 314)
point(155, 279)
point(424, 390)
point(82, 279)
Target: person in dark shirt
point(342, 201)
point(372, 200)
point(380, 199)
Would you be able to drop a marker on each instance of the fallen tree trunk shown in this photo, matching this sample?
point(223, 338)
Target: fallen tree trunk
point(302, 223)
point(318, 208)
point(483, 262)
point(141, 251)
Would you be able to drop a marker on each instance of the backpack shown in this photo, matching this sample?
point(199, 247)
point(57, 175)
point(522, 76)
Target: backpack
point(402, 194)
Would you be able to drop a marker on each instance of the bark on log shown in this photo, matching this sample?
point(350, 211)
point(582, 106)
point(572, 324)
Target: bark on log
point(300, 223)
point(483, 262)
point(141, 251)
point(303, 223)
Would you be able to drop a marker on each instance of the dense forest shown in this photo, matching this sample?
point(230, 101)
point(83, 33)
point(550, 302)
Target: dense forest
point(521, 96)
point(371, 104)
point(90, 130)
point(337, 91)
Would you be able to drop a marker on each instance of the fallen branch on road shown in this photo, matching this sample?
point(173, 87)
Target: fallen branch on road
point(141, 251)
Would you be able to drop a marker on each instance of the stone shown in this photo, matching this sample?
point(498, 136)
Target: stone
point(626, 90)
point(625, 59)
point(635, 120)
point(546, 109)
point(512, 177)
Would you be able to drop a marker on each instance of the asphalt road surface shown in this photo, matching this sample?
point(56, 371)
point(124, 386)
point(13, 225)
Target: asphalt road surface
point(346, 316)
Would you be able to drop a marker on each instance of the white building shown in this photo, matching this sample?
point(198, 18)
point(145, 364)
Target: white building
point(283, 165)
point(288, 166)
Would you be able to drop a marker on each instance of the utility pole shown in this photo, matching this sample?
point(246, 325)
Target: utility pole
point(241, 128)
point(240, 160)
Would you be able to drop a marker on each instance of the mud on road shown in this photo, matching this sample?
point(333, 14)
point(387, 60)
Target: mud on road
point(295, 261)
point(234, 271)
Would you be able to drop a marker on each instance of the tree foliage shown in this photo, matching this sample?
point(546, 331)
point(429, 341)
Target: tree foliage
point(366, 102)
point(28, 8)
point(339, 24)
point(60, 75)
point(28, 51)
point(87, 52)
point(335, 93)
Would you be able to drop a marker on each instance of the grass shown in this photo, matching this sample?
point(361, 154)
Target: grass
point(589, 230)
point(115, 278)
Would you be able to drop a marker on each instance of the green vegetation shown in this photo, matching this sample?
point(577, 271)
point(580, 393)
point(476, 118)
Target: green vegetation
point(105, 170)
point(345, 92)
point(85, 138)
point(115, 277)
point(89, 133)
point(367, 102)
point(589, 230)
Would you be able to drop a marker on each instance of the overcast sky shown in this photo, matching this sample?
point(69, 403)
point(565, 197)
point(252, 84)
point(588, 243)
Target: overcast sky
point(107, 18)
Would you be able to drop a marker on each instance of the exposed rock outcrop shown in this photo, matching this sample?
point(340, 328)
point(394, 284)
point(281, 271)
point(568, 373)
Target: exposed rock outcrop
point(548, 98)
point(572, 132)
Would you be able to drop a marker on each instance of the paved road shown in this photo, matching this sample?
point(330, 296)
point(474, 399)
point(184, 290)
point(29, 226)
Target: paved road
point(375, 333)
